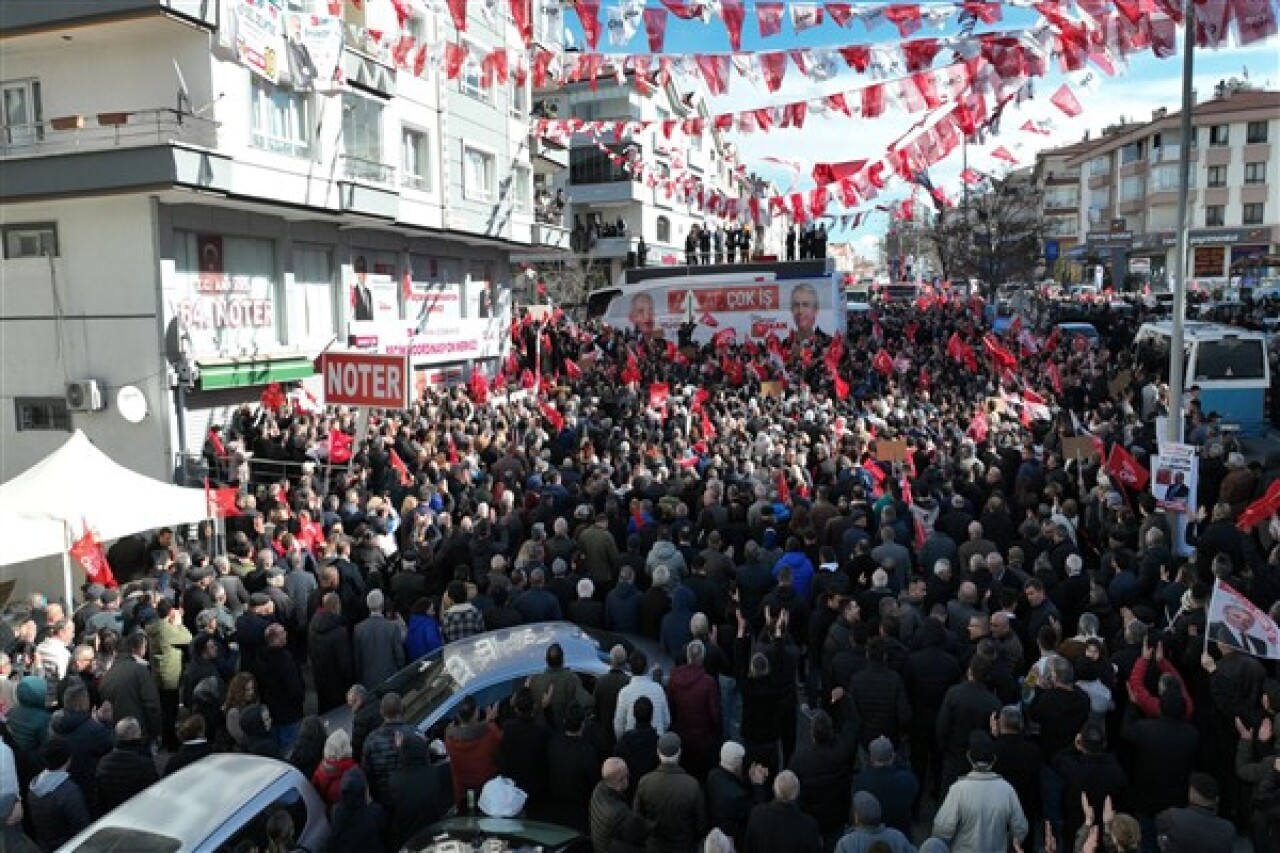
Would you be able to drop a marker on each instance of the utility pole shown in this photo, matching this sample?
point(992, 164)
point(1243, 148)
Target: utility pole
point(1177, 368)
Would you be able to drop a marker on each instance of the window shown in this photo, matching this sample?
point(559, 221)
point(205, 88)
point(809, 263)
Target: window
point(23, 119)
point(254, 830)
point(1255, 132)
point(1131, 188)
point(31, 240)
point(1253, 214)
point(280, 122)
point(1220, 134)
point(1164, 178)
point(469, 82)
point(42, 413)
point(1132, 152)
point(1255, 173)
point(590, 165)
point(478, 167)
point(522, 186)
point(1216, 177)
point(415, 159)
point(362, 138)
point(1230, 358)
point(1100, 165)
point(311, 315)
point(1215, 214)
point(519, 98)
point(664, 230)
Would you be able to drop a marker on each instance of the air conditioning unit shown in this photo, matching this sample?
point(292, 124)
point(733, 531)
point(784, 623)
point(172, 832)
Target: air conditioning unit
point(84, 395)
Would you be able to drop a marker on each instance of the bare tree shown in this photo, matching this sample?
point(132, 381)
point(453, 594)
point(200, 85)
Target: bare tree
point(996, 236)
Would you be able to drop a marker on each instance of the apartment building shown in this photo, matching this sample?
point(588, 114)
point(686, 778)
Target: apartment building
point(1059, 187)
point(1128, 190)
point(613, 205)
point(201, 196)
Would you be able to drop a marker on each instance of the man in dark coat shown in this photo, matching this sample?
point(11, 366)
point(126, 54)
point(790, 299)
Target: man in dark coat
point(822, 766)
point(931, 671)
point(1196, 828)
point(1164, 755)
point(694, 698)
point(125, 770)
point(880, 698)
point(671, 802)
point(574, 766)
point(606, 691)
point(780, 825)
point(281, 687)
point(130, 688)
point(895, 787)
point(732, 791)
point(615, 828)
point(418, 795)
point(523, 754)
point(622, 604)
point(1088, 769)
point(329, 648)
point(967, 707)
point(1019, 762)
point(638, 746)
point(57, 804)
point(378, 644)
point(86, 737)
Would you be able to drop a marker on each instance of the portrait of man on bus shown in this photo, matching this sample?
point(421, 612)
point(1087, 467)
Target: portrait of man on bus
point(641, 314)
point(804, 311)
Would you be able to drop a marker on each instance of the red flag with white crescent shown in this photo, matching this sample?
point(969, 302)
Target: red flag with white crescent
point(87, 552)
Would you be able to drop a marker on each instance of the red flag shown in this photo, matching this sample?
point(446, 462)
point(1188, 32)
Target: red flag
point(520, 17)
point(877, 476)
point(784, 491)
point(906, 17)
point(571, 369)
point(1004, 359)
point(1033, 398)
point(1051, 342)
point(458, 11)
point(658, 394)
point(978, 427)
point(479, 387)
point(589, 14)
point(842, 387)
point(1126, 469)
point(1261, 509)
point(769, 18)
point(553, 417)
point(708, 428)
point(715, 71)
point(1066, 100)
point(1005, 154)
point(883, 363)
point(700, 398)
point(221, 501)
point(87, 551)
point(527, 379)
point(732, 13)
point(406, 478)
point(655, 25)
point(1055, 377)
point(925, 379)
point(723, 338)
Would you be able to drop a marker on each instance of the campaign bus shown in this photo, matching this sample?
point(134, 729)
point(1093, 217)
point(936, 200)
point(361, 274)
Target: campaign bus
point(786, 299)
point(1228, 364)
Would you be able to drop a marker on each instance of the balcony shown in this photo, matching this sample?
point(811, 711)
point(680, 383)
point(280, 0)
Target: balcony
point(613, 247)
point(19, 17)
point(77, 133)
point(1102, 179)
point(368, 187)
point(548, 155)
point(549, 235)
point(609, 193)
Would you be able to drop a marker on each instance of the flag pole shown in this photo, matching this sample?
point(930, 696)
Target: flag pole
point(66, 563)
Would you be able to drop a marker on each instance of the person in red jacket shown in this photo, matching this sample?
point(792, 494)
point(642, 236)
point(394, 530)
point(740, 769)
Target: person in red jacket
point(1170, 679)
point(694, 697)
point(472, 744)
point(337, 761)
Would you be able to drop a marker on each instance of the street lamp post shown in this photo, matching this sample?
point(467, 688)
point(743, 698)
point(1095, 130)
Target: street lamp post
point(1177, 368)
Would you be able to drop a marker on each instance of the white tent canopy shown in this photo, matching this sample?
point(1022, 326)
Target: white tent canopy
point(78, 484)
point(29, 537)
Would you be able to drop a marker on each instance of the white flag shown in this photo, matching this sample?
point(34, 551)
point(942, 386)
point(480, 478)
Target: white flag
point(1235, 621)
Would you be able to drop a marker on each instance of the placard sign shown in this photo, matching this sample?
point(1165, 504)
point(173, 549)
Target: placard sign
point(365, 379)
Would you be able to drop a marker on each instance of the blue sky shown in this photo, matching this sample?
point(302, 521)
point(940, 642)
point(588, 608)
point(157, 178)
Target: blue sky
point(1147, 84)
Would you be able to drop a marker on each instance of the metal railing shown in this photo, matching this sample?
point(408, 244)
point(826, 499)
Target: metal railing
point(107, 130)
point(360, 169)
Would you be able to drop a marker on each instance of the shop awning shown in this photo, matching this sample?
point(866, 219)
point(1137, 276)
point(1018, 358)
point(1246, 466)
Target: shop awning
point(249, 372)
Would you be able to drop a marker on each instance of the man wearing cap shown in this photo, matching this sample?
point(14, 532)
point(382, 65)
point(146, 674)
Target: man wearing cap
point(869, 829)
point(894, 787)
point(981, 811)
point(671, 801)
point(1196, 828)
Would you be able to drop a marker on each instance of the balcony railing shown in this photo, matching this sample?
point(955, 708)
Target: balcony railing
point(360, 169)
point(123, 129)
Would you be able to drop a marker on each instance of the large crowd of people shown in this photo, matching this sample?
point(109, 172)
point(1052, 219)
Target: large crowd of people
point(895, 612)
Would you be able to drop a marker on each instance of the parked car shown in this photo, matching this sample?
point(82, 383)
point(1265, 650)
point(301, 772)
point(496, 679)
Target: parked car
point(208, 806)
point(496, 834)
point(1080, 330)
point(490, 667)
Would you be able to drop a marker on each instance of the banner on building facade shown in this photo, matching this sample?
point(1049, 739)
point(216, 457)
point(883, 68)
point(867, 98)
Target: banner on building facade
point(258, 40)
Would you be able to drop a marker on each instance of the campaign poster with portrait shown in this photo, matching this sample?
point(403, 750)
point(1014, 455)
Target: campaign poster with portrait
point(754, 306)
point(1173, 477)
point(373, 297)
point(313, 44)
point(1235, 621)
point(259, 39)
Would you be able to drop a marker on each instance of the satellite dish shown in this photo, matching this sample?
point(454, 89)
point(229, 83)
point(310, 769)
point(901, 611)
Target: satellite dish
point(132, 404)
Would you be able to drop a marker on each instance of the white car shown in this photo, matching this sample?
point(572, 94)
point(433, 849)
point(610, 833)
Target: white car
point(211, 805)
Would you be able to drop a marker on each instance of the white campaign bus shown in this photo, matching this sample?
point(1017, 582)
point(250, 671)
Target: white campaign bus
point(784, 299)
point(1229, 365)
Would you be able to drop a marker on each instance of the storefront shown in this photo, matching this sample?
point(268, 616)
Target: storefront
point(1151, 257)
point(1213, 250)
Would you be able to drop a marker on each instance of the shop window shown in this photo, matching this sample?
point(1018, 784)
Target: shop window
point(1215, 214)
point(1255, 173)
point(1253, 214)
point(42, 413)
point(31, 240)
point(1256, 132)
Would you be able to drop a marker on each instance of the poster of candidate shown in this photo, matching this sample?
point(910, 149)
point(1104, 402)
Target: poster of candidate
point(259, 36)
point(313, 44)
point(1173, 477)
point(1235, 621)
